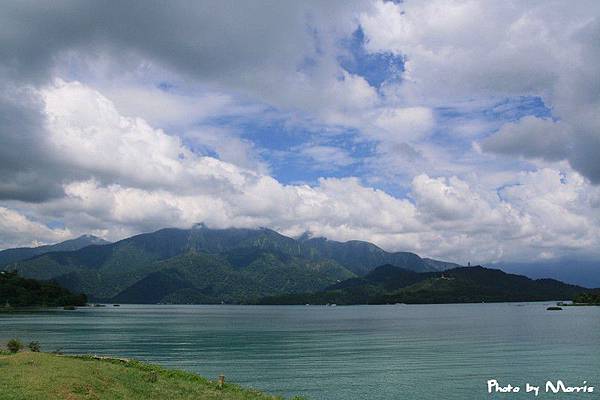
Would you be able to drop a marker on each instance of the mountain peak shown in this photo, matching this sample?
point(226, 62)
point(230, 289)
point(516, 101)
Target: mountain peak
point(306, 235)
point(92, 238)
point(83, 240)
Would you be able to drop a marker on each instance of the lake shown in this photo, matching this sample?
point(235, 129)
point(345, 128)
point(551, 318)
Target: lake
point(341, 353)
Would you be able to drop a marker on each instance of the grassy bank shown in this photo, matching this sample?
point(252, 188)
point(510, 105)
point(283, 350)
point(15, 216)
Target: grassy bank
point(44, 376)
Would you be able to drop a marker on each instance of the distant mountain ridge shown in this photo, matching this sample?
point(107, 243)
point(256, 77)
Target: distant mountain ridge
point(23, 253)
point(362, 257)
point(211, 265)
point(570, 270)
point(389, 284)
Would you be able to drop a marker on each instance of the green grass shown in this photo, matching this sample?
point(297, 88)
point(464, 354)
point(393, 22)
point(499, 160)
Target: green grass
point(43, 376)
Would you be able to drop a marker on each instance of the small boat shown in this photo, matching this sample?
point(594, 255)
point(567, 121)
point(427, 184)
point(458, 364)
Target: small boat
point(554, 308)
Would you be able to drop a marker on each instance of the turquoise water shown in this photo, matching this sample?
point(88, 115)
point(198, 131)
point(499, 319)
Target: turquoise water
point(341, 353)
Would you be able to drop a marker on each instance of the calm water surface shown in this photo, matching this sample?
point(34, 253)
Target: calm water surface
point(341, 353)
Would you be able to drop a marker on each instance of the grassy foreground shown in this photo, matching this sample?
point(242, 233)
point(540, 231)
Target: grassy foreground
point(44, 376)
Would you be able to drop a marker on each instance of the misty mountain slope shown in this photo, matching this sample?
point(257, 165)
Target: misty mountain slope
point(22, 253)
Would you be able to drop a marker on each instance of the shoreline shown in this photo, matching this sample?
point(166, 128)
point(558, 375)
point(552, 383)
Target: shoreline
point(40, 375)
point(331, 305)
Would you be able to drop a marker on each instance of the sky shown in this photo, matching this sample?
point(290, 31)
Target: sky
point(460, 130)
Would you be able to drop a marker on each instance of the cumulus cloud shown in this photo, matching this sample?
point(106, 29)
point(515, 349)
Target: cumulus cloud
point(18, 230)
point(446, 199)
point(458, 50)
point(560, 207)
point(88, 135)
point(462, 49)
point(221, 48)
point(228, 44)
point(542, 212)
point(228, 147)
point(144, 179)
point(168, 108)
point(81, 136)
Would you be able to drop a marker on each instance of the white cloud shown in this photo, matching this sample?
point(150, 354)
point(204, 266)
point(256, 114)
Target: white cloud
point(165, 108)
point(447, 199)
point(559, 206)
point(228, 147)
point(462, 49)
point(16, 230)
point(458, 50)
point(88, 134)
point(327, 157)
point(153, 186)
point(403, 124)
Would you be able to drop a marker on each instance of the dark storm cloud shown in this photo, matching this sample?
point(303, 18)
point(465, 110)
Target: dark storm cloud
point(574, 98)
point(250, 47)
point(225, 40)
point(26, 172)
point(530, 137)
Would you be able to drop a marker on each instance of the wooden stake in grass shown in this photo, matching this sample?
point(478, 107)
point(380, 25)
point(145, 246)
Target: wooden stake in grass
point(221, 380)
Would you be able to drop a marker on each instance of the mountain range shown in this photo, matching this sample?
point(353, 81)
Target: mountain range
point(22, 253)
point(389, 284)
point(202, 265)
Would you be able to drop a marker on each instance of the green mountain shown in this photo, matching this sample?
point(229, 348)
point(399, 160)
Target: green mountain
point(204, 278)
point(17, 291)
point(22, 253)
point(389, 284)
point(210, 265)
point(361, 257)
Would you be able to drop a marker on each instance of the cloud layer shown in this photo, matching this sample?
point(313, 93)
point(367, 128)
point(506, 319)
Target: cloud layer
point(114, 123)
point(469, 49)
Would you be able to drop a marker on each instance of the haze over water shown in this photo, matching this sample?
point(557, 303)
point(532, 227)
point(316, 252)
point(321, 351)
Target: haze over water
point(341, 353)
